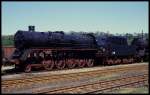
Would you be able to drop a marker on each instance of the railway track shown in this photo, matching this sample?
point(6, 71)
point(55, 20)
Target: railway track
point(102, 86)
point(12, 71)
point(10, 85)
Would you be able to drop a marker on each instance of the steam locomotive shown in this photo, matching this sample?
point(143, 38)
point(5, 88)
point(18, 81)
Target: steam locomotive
point(61, 50)
point(141, 44)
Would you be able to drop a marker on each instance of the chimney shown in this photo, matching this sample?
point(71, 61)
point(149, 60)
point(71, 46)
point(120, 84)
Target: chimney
point(31, 28)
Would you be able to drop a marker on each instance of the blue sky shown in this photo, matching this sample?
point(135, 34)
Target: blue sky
point(115, 17)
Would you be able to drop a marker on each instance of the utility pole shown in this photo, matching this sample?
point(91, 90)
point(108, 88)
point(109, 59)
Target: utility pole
point(142, 33)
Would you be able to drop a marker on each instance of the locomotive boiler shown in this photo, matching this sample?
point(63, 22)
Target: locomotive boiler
point(28, 39)
point(60, 50)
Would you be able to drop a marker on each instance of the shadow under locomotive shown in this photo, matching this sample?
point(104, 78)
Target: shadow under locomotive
point(57, 50)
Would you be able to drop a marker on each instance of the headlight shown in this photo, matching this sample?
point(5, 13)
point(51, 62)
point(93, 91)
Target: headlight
point(113, 52)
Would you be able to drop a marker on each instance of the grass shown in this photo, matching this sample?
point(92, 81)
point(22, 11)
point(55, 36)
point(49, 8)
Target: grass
point(140, 90)
point(105, 77)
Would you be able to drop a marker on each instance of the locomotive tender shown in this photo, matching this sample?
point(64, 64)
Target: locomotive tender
point(60, 50)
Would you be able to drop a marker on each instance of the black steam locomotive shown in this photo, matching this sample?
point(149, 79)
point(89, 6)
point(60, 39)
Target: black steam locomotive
point(141, 44)
point(59, 50)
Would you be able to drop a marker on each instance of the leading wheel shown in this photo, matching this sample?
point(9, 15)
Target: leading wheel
point(125, 61)
point(27, 68)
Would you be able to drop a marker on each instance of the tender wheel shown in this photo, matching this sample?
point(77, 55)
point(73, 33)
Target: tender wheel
point(117, 61)
point(109, 61)
point(60, 64)
point(27, 68)
point(141, 60)
point(81, 63)
point(130, 60)
point(71, 63)
point(90, 62)
point(125, 61)
point(48, 65)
